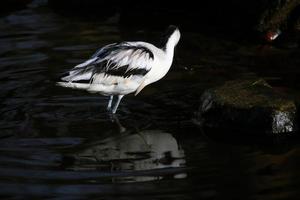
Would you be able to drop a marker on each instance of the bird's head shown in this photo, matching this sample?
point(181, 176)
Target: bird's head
point(171, 37)
point(174, 33)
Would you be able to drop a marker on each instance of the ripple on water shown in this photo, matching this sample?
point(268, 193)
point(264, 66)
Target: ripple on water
point(73, 163)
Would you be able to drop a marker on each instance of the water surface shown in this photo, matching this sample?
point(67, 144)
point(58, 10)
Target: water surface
point(59, 143)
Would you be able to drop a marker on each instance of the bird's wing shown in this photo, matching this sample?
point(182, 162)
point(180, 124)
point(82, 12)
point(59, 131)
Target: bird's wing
point(118, 59)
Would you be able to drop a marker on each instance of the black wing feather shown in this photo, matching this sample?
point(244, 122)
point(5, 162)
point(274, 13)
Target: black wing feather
point(102, 62)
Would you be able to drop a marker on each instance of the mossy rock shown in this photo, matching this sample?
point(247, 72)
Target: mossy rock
point(248, 106)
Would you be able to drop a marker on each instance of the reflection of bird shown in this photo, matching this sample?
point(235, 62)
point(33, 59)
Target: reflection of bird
point(123, 68)
point(145, 151)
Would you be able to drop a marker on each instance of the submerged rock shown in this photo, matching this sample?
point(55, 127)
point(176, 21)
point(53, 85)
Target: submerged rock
point(247, 106)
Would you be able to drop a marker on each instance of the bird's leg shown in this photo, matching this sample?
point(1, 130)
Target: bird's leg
point(110, 102)
point(117, 104)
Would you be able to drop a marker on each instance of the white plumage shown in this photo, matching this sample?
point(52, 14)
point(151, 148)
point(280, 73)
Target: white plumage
point(123, 68)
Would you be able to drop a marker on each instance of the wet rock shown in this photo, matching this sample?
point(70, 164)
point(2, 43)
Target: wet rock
point(247, 106)
point(283, 17)
point(277, 14)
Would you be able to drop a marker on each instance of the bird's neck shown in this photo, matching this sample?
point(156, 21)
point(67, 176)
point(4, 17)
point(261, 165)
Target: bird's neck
point(169, 48)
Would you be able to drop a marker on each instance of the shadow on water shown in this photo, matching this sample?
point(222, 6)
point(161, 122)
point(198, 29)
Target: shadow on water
point(61, 143)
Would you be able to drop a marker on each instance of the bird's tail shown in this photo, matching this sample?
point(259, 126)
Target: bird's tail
point(79, 78)
point(77, 75)
point(82, 72)
point(74, 85)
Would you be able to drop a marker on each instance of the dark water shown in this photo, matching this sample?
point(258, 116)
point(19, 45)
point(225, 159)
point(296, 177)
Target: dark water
point(59, 143)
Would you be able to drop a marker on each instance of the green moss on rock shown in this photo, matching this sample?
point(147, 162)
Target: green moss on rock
point(249, 105)
point(247, 94)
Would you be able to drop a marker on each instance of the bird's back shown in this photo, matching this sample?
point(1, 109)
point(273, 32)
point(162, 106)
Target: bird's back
point(114, 69)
